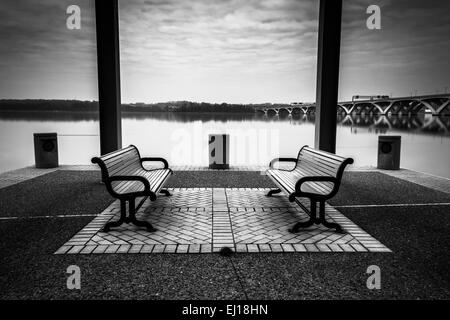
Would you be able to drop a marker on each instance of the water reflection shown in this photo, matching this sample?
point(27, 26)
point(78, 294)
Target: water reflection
point(169, 134)
point(382, 124)
point(379, 124)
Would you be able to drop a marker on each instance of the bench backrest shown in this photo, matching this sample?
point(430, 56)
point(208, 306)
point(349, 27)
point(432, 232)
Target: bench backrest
point(321, 163)
point(119, 163)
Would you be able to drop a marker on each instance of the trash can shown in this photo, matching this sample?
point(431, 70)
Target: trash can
point(389, 152)
point(46, 150)
point(219, 146)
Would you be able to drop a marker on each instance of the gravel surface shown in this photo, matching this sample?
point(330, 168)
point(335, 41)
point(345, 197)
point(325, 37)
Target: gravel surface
point(377, 188)
point(219, 179)
point(56, 193)
point(29, 270)
point(417, 268)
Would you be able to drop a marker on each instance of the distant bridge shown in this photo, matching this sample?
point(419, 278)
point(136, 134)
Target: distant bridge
point(438, 104)
point(299, 107)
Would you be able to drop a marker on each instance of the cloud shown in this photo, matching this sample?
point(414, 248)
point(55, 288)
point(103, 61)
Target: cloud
point(408, 53)
point(41, 57)
point(222, 50)
point(201, 39)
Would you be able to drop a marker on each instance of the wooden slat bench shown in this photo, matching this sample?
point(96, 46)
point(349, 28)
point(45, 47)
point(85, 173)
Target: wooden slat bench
point(126, 179)
point(317, 175)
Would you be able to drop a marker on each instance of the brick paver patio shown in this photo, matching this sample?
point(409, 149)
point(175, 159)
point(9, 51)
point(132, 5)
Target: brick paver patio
point(203, 220)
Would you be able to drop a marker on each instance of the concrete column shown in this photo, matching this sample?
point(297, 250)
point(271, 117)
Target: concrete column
point(108, 63)
point(328, 74)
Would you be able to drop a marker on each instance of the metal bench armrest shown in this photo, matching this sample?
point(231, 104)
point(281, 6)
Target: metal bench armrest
point(131, 178)
point(148, 159)
point(281, 160)
point(314, 179)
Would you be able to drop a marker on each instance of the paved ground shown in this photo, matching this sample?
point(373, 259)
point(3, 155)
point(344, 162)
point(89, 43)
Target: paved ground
point(379, 189)
point(417, 269)
point(59, 193)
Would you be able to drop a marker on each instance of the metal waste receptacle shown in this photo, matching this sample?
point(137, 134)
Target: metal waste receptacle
point(389, 152)
point(46, 150)
point(219, 146)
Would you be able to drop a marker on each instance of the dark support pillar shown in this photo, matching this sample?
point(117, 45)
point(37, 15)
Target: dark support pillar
point(328, 74)
point(108, 63)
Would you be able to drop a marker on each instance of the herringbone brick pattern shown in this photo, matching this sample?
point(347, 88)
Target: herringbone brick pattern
point(248, 198)
point(204, 220)
point(186, 198)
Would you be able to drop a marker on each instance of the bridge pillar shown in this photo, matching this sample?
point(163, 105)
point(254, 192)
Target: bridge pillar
point(328, 74)
point(108, 64)
point(443, 106)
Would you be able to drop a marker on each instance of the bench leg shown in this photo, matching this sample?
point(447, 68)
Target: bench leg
point(123, 218)
point(313, 219)
point(271, 192)
point(165, 192)
point(306, 224)
point(132, 218)
point(327, 224)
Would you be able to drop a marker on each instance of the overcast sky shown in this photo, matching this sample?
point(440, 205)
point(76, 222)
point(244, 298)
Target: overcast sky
point(241, 51)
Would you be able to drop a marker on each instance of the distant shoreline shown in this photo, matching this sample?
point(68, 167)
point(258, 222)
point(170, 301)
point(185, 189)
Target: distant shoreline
point(92, 106)
point(124, 111)
point(93, 115)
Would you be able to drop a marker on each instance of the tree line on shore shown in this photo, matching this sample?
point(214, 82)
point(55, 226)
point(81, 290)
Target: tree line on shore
point(37, 105)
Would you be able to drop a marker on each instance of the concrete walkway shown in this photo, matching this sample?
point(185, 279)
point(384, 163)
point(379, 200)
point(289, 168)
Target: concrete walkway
point(417, 268)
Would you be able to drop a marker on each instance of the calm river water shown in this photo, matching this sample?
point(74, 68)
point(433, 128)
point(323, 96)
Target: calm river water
point(255, 139)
